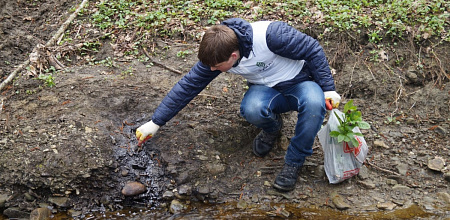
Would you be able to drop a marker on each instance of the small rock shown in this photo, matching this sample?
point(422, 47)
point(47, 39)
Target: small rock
point(446, 177)
point(133, 189)
point(363, 173)
point(267, 183)
point(370, 208)
point(391, 182)
point(402, 168)
point(440, 130)
point(59, 201)
point(124, 172)
point(40, 214)
point(386, 206)
point(399, 202)
point(367, 185)
point(428, 207)
point(183, 177)
point(397, 178)
point(176, 207)
point(28, 197)
point(281, 212)
point(74, 213)
point(380, 144)
point(444, 197)
point(411, 121)
point(215, 168)
point(185, 190)
point(214, 194)
point(3, 198)
point(411, 74)
point(399, 187)
point(168, 195)
point(242, 204)
point(202, 157)
point(16, 213)
point(255, 198)
point(284, 142)
point(436, 164)
point(204, 190)
point(338, 201)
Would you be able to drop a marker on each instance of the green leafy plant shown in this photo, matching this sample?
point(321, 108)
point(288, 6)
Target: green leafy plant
point(183, 53)
point(48, 79)
point(352, 118)
point(391, 120)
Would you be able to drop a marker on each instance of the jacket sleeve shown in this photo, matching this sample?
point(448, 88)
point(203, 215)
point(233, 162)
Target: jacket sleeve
point(284, 40)
point(183, 92)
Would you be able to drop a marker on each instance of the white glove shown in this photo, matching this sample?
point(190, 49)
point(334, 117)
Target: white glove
point(334, 97)
point(146, 131)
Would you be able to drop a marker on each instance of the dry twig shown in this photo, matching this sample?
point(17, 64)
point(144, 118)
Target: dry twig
point(160, 64)
point(48, 44)
point(381, 169)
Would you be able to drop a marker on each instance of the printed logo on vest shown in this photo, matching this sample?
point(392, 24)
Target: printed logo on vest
point(260, 64)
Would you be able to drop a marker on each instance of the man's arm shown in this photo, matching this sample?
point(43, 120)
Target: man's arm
point(286, 41)
point(183, 92)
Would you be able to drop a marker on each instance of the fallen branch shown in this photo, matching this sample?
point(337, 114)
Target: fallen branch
point(381, 169)
point(13, 74)
point(51, 42)
point(160, 64)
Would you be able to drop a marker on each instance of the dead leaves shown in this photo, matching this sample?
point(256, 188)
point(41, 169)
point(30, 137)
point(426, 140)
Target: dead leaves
point(41, 59)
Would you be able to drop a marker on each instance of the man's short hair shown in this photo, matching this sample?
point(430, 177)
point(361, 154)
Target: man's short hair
point(217, 45)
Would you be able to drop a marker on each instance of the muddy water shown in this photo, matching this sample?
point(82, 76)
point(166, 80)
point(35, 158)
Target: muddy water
point(229, 211)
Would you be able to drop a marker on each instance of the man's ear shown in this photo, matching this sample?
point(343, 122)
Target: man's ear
point(235, 55)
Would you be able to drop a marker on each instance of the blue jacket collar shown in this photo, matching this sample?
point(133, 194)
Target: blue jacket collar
point(244, 33)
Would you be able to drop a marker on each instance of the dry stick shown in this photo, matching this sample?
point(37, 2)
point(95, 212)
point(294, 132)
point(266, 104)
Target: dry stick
point(48, 44)
point(160, 64)
point(382, 169)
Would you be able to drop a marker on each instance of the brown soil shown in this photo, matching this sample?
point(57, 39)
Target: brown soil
point(75, 140)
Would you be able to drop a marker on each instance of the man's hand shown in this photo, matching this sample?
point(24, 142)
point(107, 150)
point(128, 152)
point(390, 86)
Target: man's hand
point(146, 131)
point(332, 99)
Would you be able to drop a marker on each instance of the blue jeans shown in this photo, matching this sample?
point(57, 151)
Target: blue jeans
point(262, 105)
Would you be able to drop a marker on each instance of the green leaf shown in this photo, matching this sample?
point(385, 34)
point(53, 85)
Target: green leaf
point(363, 125)
point(348, 105)
point(355, 142)
point(341, 138)
point(338, 118)
point(351, 135)
point(358, 134)
point(334, 133)
point(347, 139)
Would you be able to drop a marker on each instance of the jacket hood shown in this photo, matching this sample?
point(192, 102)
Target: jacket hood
point(244, 33)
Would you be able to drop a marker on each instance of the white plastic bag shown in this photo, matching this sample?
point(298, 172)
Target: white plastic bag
point(341, 160)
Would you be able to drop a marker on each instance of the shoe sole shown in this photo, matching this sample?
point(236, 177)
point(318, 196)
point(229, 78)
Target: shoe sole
point(283, 188)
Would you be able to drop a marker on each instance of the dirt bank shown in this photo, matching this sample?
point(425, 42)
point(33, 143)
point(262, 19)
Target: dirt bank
point(71, 146)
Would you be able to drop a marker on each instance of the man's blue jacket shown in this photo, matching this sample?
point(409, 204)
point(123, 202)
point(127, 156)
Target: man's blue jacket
point(281, 39)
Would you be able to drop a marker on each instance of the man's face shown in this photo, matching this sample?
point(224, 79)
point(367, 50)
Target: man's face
point(226, 65)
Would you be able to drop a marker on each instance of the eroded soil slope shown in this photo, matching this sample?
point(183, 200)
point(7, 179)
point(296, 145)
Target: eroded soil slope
point(71, 145)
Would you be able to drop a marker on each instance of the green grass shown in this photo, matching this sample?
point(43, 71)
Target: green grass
point(387, 18)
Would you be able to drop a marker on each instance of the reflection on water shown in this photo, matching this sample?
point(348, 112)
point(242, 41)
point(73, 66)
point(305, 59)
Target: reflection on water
point(258, 211)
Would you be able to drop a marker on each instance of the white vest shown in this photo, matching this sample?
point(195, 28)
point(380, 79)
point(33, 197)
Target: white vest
point(263, 67)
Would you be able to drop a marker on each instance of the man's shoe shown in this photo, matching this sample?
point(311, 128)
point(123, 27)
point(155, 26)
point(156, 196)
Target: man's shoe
point(287, 178)
point(264, 141)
